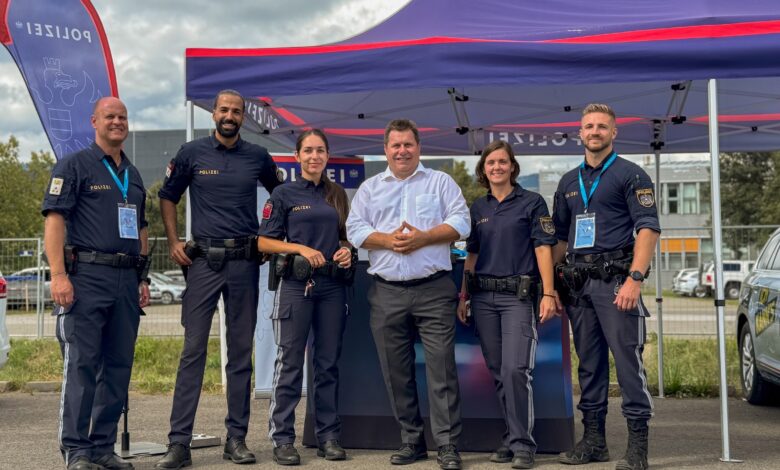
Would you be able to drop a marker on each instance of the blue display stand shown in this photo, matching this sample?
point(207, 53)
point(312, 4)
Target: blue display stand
point(367, 420)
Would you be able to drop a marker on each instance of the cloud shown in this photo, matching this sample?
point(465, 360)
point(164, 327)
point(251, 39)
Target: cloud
point(148, 39)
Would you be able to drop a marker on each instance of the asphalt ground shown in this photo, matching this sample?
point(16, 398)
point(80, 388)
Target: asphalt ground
point(685, 433)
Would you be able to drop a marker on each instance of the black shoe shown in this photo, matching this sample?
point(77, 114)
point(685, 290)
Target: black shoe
point(286, 454)
point(409, 453)
point(113, 461)
point(81, 463)
point(178, 456)
point(235, 450)
point(331, 450)
point(502, 455)
point(523, 459)
point(448, 458)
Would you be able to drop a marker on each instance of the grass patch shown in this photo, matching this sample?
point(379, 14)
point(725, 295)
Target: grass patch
point(690, 366)
point(154, 370)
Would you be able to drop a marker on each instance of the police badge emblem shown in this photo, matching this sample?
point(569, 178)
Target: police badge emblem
point(645, 197)
point(547, 225)
point(280, 174)
point(268, 209)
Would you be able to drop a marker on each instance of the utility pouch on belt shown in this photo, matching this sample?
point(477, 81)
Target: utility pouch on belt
point(71, 259)
point(277, 270)
point(215, 257)
point(301, 269)
point(524, 284)
point(471, 282)
point(192, 251)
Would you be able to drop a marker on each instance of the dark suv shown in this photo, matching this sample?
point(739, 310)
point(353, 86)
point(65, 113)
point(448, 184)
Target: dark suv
point(758, 326)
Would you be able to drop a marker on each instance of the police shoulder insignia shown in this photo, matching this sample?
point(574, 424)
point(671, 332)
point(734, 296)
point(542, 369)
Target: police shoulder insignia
point(169, 169)
point(279, 174)
point(267, 209)
point(547, 225)
point(56, 186)
point(645, 197)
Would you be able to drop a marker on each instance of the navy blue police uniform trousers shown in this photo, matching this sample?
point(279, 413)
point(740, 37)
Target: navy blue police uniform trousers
point(237, 281)
point(507, 334)
point(599, 327)
point(324, 313)
point(97, 336)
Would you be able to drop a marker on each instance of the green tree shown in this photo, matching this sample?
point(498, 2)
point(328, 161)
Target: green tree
point(22, 187)
point(748, 193)
point(467, 182)
point(153, 216)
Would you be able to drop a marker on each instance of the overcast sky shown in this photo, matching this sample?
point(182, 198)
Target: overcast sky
point(148, 38)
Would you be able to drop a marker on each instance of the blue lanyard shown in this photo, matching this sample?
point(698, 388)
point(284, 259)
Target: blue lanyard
point(586, 199)
point(122, 188)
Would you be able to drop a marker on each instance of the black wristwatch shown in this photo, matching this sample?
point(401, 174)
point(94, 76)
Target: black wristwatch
point(637, 276)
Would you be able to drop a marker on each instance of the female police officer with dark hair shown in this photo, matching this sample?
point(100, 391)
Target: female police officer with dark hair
point(508, 249)
point(305, 220)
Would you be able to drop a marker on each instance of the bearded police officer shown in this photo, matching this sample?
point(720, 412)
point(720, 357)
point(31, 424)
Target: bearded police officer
point(98, 283)
point(597, 208)
point(222, 172)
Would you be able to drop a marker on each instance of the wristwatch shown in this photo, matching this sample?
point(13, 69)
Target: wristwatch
point(637, 276)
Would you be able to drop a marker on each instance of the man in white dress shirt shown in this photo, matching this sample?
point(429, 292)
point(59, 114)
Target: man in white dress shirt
point(406, 217)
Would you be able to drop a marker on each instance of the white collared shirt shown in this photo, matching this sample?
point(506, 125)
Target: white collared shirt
point(424, 200)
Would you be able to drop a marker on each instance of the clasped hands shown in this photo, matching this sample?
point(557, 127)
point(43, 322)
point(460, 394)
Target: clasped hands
point(407, 238)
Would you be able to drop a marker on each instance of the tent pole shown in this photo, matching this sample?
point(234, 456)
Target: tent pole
point(658, 291)
point(717, 240)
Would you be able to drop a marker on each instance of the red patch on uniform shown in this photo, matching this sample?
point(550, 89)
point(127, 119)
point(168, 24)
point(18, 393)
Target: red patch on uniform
point(169, 169)
point(267, 209)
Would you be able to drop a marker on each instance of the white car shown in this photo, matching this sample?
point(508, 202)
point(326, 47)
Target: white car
point(686, 282)
point(734, 271)
point(5, 341)
point(170, 289)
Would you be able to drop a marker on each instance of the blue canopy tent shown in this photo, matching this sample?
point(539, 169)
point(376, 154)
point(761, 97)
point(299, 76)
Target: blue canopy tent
point(468, 72)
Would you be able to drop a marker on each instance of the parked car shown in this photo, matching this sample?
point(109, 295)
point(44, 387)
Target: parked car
point(23, 287)
point(5, 341)
point(758, 326)
point(686, 282)
point(175, 274)
point(734, 271)
point(154, 294)
point(170, 289)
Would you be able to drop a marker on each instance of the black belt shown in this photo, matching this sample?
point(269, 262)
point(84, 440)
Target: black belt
point(118, 260)
point(509, 285)
point(224, 242)
point(599, 257)
point(413, 282)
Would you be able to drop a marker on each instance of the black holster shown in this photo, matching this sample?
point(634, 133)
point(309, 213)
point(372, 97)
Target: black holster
point(278, 269)
point(192, 251)
point(525, 288)
point(71, 258)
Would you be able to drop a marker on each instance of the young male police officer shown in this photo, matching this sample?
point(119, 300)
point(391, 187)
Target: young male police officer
point(407, 217)
point(597, 208)
point(99, 290)
point(222, 172)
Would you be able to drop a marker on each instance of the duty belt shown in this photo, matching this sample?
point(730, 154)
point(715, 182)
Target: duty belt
point(117, 260)
point(601, 257)
point(509, 285)
point(223, 242)
point(413, 282)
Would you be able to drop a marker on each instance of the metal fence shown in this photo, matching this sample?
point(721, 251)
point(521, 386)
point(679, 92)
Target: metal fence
point(682, 248)
point(29, 298)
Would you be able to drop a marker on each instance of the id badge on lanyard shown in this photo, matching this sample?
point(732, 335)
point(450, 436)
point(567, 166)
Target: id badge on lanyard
point(585, 224)
point(585, 231)
point(127, 214)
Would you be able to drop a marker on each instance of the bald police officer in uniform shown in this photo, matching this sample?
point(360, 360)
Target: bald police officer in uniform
point(597, 208)
point(222, 172)
point(98, 283)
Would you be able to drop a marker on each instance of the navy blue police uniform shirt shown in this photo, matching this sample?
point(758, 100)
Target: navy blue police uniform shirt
point(506, 233)
point(624, 202)
point(299, 213)
point(223, 185)
point(84, 192)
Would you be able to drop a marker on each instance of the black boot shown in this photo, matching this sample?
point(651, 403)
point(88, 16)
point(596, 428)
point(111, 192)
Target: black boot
point(636, 453)
point(593, 445)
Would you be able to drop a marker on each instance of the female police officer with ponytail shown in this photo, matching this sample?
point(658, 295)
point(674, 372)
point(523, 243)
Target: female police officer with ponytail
point(305, 221)
point(509, 249)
